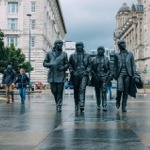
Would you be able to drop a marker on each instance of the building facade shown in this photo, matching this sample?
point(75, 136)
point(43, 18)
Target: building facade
point(41, 21)
point(108, 52)
point(69, 48)
point(133, 25)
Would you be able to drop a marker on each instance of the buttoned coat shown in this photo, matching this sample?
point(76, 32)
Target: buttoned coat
point(73, 61)
point(130, 64)
point(54, 62)
point(73, 64)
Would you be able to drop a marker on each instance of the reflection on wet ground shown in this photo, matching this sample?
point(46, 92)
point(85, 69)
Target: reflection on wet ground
point(37, 126)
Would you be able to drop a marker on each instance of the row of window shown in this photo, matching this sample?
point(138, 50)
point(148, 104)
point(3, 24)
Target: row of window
point(14, 40)
point(13, 7)
point(13, 24)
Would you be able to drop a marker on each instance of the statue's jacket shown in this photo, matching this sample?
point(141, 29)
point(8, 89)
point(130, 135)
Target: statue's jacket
point(54, 61)
point(130, 64)
point(73, 61)
point(131, 70)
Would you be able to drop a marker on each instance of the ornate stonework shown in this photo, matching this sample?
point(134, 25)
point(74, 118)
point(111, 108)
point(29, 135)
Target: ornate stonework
point(49, 26)
point(134, 27)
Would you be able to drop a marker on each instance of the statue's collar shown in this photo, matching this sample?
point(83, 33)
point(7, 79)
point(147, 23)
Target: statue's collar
point(123, 51)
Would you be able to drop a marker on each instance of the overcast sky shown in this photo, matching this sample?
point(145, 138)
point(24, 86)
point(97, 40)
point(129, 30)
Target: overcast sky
point(91, 21)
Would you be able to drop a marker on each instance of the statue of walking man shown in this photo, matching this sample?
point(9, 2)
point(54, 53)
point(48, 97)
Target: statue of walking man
point(100, 70)
point(79, 70)
point(57, 62)
point(125, 70)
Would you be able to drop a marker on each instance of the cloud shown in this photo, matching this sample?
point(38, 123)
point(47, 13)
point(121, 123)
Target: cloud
point(92, 22)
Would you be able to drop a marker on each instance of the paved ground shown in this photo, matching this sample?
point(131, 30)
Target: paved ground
point(37, 126)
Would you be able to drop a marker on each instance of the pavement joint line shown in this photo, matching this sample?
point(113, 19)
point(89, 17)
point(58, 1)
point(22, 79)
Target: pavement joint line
point(107, 139)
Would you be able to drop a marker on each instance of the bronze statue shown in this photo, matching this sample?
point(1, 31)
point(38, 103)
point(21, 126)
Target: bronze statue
point(100, 70)
point(125, 70)
point(79, 70)
point(57, 62)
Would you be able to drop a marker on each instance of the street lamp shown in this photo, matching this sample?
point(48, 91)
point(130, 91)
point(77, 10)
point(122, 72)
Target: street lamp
point(29, 54)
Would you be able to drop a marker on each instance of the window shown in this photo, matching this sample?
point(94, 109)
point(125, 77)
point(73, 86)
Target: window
point(32, 24)
point(32, 41)
point(12, 40)
point(12, 23)
point(12, 7)
point(33, 6)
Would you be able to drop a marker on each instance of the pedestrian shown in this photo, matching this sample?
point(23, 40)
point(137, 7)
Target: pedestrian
point(22, 80)
point(56, 61)
point(124, 71)
point(109, 89)
point(79, 69)
point(8, 80)
point(100, 70)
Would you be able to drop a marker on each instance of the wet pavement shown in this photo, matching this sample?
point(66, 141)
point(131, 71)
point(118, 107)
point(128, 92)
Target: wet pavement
point(37, 126)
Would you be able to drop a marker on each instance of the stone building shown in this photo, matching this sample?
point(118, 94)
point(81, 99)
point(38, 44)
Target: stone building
point(133, 25)
point(44, 22)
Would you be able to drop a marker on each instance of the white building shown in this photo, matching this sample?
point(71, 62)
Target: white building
point(46, 23)
point(133, 25)
point(108, 52)
point(69, 47)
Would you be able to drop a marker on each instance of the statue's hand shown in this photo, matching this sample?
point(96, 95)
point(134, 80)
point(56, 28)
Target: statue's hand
point(53, 64)
point(60, 68)
point(115, 77)
point(137, 80)
point(76, 73)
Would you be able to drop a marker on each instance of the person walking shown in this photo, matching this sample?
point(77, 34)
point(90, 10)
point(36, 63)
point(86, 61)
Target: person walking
point(22, 80)
point(56, 61)
point(109, 89)
point(8, 80)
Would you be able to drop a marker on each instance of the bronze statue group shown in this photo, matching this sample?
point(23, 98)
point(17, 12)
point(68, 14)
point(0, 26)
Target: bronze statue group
point(81, 67)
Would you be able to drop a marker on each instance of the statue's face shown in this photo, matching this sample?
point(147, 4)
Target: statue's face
point(79, 47)
point(122, 46)
point(58, 45)
point(100, 51)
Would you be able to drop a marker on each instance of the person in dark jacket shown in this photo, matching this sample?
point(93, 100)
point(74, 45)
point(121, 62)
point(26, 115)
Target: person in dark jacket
point(100, 70)
point(8, 81)
point(125, 70)
point(109, 90)
point(22, 81)
point(79, 70)
point(57, 62)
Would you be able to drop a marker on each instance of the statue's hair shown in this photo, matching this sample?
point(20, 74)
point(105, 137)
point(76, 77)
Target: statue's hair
point(58, 41)
point(121, 41)
point(101, 47)
point(79, 43)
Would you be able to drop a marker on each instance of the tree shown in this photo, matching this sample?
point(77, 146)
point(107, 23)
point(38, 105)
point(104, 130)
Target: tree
point(13, 56)
point(2, 51)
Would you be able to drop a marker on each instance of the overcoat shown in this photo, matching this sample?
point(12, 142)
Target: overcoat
point(130, 64)
point(54, 61)
point(73, 63)
point(131, 70)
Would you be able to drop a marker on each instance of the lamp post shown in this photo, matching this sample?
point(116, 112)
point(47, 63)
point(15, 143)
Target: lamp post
point(29, 54)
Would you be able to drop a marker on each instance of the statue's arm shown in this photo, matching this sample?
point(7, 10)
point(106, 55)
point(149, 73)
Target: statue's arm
point(46, 62)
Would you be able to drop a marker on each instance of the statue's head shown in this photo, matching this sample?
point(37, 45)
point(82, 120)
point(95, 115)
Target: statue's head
point(9, 68)
point(122, 45)
point(58, 45)
point(79, 47)
point(100, 50)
